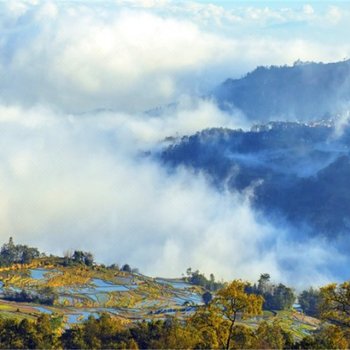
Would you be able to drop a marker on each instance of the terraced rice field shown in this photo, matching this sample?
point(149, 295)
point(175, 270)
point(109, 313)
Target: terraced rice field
point(81, 292)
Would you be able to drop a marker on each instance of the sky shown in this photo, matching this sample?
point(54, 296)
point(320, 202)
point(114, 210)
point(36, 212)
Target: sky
point(90, 55)
point(76, 80)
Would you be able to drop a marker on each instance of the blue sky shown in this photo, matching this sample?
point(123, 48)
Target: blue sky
point(315, 20)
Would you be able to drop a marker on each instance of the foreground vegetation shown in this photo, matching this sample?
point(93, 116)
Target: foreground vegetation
point(218, 325)
point(140, 312)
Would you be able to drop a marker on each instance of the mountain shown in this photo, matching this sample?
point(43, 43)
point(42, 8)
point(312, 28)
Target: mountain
point(299, 171)
point(304, 91)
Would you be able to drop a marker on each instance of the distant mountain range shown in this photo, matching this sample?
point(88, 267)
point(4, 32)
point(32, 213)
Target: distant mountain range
point(304, 91)
point(300, 172)
point(300, 169)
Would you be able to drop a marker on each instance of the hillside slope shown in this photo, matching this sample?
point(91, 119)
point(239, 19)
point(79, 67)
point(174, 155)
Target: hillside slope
point(305, 91)
point(75, 292)
point(299, 172)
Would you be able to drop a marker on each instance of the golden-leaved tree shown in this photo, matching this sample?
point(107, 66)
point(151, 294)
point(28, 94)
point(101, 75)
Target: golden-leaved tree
point(233, 302)
point(335, 304)
point(211, 327)
point(335, 308)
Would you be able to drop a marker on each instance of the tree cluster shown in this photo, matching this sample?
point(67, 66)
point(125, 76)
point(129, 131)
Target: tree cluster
point(310, 301)
point(199, 279)
point(276, 297)
point(45, 296)
point(335, 304)
point(198, 332)
point(214, 326)
point(25, 334)
point(79, 257)
point(11, 253)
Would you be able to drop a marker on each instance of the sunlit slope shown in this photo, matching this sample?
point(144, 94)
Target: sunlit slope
point(69, 295)
point(73, 293)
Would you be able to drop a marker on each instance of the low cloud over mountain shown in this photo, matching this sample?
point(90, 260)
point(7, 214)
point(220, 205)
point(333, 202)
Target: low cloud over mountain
point(295, 174)
point(304, 91)
point(76, 169)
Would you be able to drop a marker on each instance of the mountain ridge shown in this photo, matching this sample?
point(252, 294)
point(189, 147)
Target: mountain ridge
point(300, 92)
point(294, 163)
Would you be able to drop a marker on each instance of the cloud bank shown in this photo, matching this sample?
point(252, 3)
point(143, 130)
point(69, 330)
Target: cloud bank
point(76, 80)
point(132, 56)
point(69, 182)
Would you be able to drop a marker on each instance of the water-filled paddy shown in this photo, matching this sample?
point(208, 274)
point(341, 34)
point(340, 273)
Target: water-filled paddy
point(103, 286)
point(175, 283)
point(81, 293)
point(80, 316)
point(43, 310)
point(38, 274)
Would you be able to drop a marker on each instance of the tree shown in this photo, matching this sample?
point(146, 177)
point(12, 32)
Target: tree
point(264, 283)
point(211, 282)
point(72, 338)
point(28, 254)
point(211, 326)
point(81, 257)
point(126, 268)
point(272, 336)
point(309, 301)
point(282, 298)
point(199, 279)
point(233, 302)
point(207, 297)
point(335, 304)
point(177, 335)
point(276, 297)
point(78, 256)
point(8, 252)
point(46, 336)
point(88, 259)
point(11, 253)
point(331, 337)
point(147, 334)
point(26, 331)
point(243, 337)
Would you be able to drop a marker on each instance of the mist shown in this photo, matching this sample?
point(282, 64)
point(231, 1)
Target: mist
point(77, 78)
point(69, 182)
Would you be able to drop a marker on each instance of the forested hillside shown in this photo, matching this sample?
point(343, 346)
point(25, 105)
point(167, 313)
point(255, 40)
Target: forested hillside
point(68, 302)
point(299, 171)
point(304, 91)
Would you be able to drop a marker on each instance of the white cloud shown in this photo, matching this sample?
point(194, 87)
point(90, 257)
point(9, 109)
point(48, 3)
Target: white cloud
point(79, 56)
point(308, 10)
point(334, 14)
point(80, 60)
point(73, 182)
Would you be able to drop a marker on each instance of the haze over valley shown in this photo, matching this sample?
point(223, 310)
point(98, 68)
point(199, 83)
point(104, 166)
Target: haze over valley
point(162, 134)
